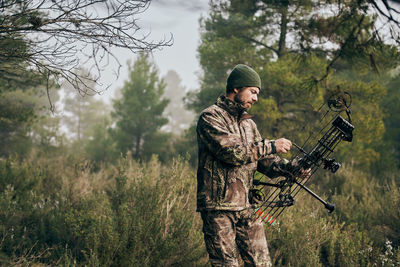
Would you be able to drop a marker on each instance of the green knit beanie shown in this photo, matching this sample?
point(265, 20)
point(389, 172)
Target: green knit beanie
point(242, 76)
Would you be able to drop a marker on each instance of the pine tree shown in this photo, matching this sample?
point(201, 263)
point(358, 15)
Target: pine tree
point(179, 118)
point(139, 111)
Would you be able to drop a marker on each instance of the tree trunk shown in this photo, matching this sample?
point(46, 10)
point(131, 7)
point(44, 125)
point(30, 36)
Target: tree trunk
point(284, 22)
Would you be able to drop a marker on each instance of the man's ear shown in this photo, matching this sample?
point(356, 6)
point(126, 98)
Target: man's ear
point(235, 90)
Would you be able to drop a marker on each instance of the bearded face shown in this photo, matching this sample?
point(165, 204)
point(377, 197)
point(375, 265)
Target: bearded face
point(246, 96)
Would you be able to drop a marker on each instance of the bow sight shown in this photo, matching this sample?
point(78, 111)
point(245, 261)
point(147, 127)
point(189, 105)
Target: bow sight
point(273, 204)
point(340, 130)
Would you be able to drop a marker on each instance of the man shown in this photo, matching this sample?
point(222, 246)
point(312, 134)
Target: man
point(230, 150)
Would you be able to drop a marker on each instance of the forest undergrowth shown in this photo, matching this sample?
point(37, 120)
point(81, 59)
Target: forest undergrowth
point(57, 213)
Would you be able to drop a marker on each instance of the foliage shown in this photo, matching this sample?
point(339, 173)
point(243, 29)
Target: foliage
point(16, 115)
point(391, 109)
point(179, 118)
point(82, 110)
point(25, 120)
point(87, 121)
point(356, 234)
point(101, 148)
point(56, 212)
point(257, 32)
point(139, 110)
point(186, 145)
point(128, 215)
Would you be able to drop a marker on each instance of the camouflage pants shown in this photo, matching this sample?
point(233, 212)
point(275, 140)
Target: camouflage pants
point(230, 233)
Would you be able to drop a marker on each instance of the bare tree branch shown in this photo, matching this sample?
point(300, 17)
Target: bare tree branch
point(57, 36)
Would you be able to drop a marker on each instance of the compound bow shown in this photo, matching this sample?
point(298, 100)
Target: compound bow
point(270, 206)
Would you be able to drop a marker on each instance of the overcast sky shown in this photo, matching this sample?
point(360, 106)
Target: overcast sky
point(161, 19)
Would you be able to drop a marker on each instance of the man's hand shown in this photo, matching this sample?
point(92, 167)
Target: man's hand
point(305, 174)
point(282, 145)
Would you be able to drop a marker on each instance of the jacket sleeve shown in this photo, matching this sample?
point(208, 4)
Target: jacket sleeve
point(272, 165)
point(228, 147)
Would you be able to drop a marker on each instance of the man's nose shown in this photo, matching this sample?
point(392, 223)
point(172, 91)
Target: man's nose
point(255, 98)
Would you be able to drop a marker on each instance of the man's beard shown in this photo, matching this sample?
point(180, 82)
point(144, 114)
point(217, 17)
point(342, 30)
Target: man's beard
point(241, 102)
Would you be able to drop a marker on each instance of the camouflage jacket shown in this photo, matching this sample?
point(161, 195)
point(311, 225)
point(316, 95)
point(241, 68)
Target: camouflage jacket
point(230, 151)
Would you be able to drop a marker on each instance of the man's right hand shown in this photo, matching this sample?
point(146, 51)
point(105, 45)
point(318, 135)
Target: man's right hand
point(282, 145)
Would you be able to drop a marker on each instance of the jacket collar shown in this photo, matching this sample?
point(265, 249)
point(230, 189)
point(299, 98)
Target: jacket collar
point(232, 107)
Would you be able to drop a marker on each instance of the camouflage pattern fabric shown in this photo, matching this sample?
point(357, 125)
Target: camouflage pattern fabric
point(228, 234)
point(230, 150)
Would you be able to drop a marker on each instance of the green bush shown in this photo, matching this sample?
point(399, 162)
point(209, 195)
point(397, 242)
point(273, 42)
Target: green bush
point(356, 234)
point(130, 215)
